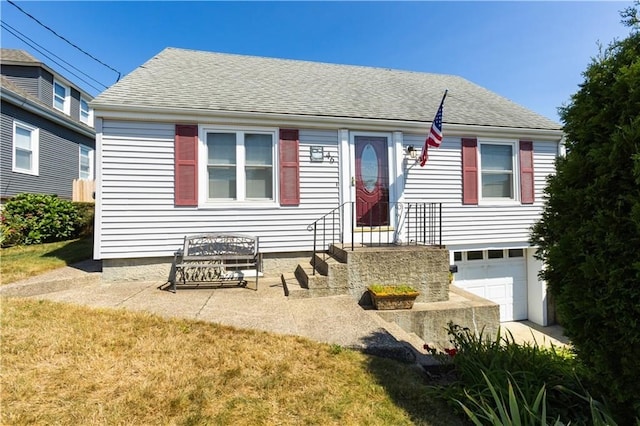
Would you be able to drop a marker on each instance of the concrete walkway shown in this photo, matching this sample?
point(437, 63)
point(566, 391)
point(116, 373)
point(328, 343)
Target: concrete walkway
point(334, 319)
point(530, 333)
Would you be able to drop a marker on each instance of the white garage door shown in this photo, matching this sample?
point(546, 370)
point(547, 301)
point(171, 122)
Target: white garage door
point(497, 275)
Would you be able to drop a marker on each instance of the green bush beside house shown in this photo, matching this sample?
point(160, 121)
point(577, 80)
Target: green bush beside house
point(589, 233)
point(42, 218)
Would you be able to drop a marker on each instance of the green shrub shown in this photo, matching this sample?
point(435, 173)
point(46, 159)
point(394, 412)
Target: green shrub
point(589, 233)
point(38, 218)
point(86, 213)
point(527, 368)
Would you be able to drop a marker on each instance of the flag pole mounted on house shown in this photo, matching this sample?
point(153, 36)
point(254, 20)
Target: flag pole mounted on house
point(434, 138)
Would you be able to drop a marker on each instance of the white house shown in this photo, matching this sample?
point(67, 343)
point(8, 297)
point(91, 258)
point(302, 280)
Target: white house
point(194, 142)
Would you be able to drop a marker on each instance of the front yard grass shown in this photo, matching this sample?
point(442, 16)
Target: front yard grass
point(22, 262)
point(65, 364)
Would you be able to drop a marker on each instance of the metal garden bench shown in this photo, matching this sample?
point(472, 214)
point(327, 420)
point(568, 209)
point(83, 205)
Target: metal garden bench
point(217, 258)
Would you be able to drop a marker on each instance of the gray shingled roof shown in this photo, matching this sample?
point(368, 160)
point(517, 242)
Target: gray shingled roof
point(17, 56)
point(177, 78)
point(10, 86)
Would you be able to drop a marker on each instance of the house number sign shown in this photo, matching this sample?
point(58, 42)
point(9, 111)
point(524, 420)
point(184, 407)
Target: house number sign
point(317, 154)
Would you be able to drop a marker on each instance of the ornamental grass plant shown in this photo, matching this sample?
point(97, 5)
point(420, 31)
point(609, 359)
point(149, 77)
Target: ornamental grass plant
point(518, 409)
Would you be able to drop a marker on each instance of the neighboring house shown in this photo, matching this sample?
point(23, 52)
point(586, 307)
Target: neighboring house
point(194, 142)
point(47, 131)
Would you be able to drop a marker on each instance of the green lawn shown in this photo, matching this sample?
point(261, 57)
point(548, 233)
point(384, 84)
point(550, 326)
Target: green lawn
point(22, 262)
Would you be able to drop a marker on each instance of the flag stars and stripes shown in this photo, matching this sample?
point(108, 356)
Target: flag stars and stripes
point(434, 138)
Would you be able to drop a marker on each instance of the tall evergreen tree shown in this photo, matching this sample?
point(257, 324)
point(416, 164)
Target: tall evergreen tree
point(589, 233)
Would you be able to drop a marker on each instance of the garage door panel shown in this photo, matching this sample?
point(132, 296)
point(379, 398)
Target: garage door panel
point(497, 291)
point(503, 281)
point(478, 288)
point(473, 273)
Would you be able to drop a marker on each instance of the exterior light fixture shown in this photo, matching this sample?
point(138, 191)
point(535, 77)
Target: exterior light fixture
point(412, 152)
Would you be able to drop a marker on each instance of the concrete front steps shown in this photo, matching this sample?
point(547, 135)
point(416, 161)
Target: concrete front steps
point(347, 272)
point(330, 279)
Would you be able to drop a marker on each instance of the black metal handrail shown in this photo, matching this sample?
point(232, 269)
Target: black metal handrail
point(334, 218)
point(415, 224)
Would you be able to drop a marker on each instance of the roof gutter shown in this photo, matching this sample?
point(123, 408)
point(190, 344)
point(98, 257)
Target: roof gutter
point(42, 111)
point(176, 114)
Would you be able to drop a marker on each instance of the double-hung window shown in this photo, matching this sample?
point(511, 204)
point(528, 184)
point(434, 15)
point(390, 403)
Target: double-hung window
point(240, 165)
point(25, 148)
point(61, 99)
point(497, 171)
point(85, 112)
point(86, 163)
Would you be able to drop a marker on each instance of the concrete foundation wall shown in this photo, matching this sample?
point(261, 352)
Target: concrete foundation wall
point(158, 268)
point(139, 269)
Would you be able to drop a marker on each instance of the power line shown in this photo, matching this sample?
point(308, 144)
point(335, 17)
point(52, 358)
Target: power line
point(64, 39)
point(17, 34)
point(13, 30)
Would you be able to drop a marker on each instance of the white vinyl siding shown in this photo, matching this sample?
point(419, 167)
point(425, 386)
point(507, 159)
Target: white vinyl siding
point(487, 224)
point(136, 207)
point(138, 217)
point(26, 148)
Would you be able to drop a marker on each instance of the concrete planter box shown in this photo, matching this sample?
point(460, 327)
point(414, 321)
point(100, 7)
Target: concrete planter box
point(387, 301)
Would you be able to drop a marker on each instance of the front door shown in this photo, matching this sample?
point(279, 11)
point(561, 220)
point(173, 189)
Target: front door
point(372, 181)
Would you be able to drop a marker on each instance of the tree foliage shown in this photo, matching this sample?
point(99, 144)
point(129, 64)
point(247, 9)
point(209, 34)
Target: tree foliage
point(589, 233)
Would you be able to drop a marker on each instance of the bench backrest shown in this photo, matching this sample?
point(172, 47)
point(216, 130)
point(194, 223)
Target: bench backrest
point(220, 245)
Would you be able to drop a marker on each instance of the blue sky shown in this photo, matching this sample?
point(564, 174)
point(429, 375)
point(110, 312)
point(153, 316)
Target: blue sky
point(530, 52)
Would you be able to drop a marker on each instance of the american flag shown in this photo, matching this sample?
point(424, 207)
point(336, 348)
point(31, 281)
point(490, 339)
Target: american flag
point(434, 138)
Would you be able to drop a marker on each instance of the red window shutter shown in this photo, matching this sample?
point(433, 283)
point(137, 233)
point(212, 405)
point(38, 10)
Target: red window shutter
point(527, 191)
point(469, 171)
point(289, 167)
point(186, 165)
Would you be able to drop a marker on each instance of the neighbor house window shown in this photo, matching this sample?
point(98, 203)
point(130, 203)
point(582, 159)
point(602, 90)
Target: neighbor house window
point(86, 162)
point(85, 112)
point(497, 177)
point(25, 148)
point(61, 99)
point(240, 165)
